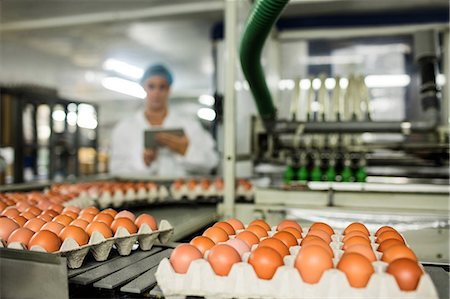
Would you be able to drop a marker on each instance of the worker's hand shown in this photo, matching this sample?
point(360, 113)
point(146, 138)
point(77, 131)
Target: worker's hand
point(149, 156)
point(178, 144)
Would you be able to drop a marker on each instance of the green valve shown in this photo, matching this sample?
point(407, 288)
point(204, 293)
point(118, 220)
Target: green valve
point(316, 174)
point(288, 174)
point(361, 175)
point(302, 174)
point(331, 174)
point(347, 174)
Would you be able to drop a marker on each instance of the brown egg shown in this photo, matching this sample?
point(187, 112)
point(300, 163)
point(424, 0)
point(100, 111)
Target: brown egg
point(10, 212)
point(311, 262)
point(235, 223)
point(51, 213)
point(63, 219)
point(363, 250)
point(322, 244)
point(407, 273)
point(34, 224)
point(248, 237)
point(286, 237)
point(7, 226)
point(322, 226)
point(309, 238)
point(388, 243)
point(356, 226)
point(125, 214)
point(104, 217)
point(397, 252)
point(219, 184)
point(182, 257)
point(261, 223)
point(216, 234)
point(111, 212)
point(34, 210)
point(192, 184)
point(46, 239)
point(240, 246)
point(54, 227)
point(80, 223)
point(354, 234)
point(265, 261)
point(100, 227)
point(72, 209)
point(20, 220)
point(357, 268)
point(258, 231)
point(87, 217)
point(389, 235)
point(2, 206)
point(76, 233)
point(356, 240)
point(21, 235)
point(45, 217)
point(71, 214)
point(22, 206)
point(226, 227)
point(56, 207)
point(202, 243)
point(27, 215)
point(384, 229)
point(222, 257)
point(90, 210)
point(297, 234)
point(289, 223)
point(148, 219)
point(125, 223)
point(275, 244)
point(321, 234)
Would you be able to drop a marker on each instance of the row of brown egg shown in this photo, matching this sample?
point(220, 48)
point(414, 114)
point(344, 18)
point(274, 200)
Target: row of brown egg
point(50, 228)
point(205, 187)
point(226, 243)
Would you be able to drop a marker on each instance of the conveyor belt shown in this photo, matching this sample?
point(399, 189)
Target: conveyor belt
point(186, 219)
point(131, 274)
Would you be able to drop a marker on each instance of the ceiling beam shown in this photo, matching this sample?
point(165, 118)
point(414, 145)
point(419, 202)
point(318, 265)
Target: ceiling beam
point(115, 16)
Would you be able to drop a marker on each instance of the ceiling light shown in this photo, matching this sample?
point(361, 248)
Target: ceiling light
point(123, 68)
point(123, 86)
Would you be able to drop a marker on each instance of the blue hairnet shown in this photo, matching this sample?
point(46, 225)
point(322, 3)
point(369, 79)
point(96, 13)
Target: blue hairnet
point(157, 70)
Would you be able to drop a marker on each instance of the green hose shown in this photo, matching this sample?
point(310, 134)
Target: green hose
point(263, 16)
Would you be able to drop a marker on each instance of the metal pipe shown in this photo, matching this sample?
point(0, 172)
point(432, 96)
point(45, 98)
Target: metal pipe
point(229, 162)
point(361, 126)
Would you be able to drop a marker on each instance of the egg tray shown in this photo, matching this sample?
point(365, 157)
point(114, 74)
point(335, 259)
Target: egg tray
point(242, 281)
point(101, 246)
point(211, 192)
point(118, 198)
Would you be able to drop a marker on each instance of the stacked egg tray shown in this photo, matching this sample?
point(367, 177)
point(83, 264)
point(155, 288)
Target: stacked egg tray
point(242, 281)
point(100, 247)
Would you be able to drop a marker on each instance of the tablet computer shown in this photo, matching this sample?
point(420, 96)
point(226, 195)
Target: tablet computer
point(149, 135)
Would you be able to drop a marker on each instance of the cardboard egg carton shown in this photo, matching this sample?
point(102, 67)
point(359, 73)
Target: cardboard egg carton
point(242, 281)
point(100, 246)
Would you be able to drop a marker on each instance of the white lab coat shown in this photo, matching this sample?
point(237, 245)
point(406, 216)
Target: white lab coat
point(127, 149)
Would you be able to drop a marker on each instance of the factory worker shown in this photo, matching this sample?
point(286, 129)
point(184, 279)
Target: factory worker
point(193, 153)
